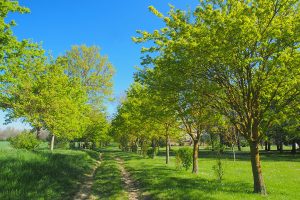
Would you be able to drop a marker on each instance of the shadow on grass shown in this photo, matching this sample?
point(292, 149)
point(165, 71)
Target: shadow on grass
point(42, 175)
point(164, 183)
point(245, 155)
point(157, 181)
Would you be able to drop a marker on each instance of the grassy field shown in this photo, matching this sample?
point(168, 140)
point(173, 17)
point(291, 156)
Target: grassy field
point(45, 175)
point(158, 181)
point(41, 174)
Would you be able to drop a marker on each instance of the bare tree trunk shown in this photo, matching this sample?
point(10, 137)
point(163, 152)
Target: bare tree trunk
point(266, 145)
point(154, 147)
point(52, 142)
point(259, 186)
point(294, 147)
point(38, 132)
point(167, 149)
point(269, 146)
point(281, 146)
point(233, 151)
point(212, 142)
point(239, 142)
point(195, 156)
point(221, 142)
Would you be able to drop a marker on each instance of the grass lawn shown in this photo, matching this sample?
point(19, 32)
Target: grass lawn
point(41, 174)
point(158, 181)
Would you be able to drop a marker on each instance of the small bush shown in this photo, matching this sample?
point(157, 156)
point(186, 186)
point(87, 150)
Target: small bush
point(25, 140)
point(184, 158)
point(218, 168)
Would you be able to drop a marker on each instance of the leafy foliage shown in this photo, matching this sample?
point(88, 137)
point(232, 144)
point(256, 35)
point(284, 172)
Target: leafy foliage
point(25, 140)
point(184, 157)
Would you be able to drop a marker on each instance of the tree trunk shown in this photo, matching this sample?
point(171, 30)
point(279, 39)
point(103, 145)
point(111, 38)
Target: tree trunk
point(221, 143)
point(238, 138)
point(154, 147)
point(281, 147)
point(38, 132)
point(294, 147)
point(52, 142)
point(212, 142)
point(239, 143)
point(233, 151)
point(259, 186)
point(266, 145)
point(269, 146)
point(195, 156)
point(167, 149)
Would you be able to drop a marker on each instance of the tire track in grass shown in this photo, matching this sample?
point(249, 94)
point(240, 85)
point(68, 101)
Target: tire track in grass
point(133, 191)
point(84, 192)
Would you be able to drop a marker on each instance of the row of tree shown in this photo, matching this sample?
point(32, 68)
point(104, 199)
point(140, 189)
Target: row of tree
point(64, 96)
point(227, 66)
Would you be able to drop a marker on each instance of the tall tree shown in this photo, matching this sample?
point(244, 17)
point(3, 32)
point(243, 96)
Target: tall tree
point(94, 71)
point(177, 79)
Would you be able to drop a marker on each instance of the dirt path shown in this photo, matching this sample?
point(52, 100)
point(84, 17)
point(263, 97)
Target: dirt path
point(133, 192)
point(84, 192)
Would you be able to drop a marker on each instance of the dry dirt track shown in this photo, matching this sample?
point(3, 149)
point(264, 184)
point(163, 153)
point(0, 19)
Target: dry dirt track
point(133, 191)
point(84, 192)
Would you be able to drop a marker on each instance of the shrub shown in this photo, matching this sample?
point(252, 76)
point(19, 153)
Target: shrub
point(184, 158)
point(25, 140)
point(218, 168)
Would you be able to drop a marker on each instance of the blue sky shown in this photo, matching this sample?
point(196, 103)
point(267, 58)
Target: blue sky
point(59, 24)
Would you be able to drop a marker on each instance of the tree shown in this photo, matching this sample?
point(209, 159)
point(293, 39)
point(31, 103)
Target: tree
point(97, 129)
point(94, 71)
point(65, 99)
point(156, 109)
point(177, 80)
point(254, 58)
point(133, 123)
point(22, 88)
point(10, 47)
point(44, 96)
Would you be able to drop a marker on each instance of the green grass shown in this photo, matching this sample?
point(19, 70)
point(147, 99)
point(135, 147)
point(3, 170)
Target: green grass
point(41, 174)
point(108, 183)
point(4, 145)
point(158, 181)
